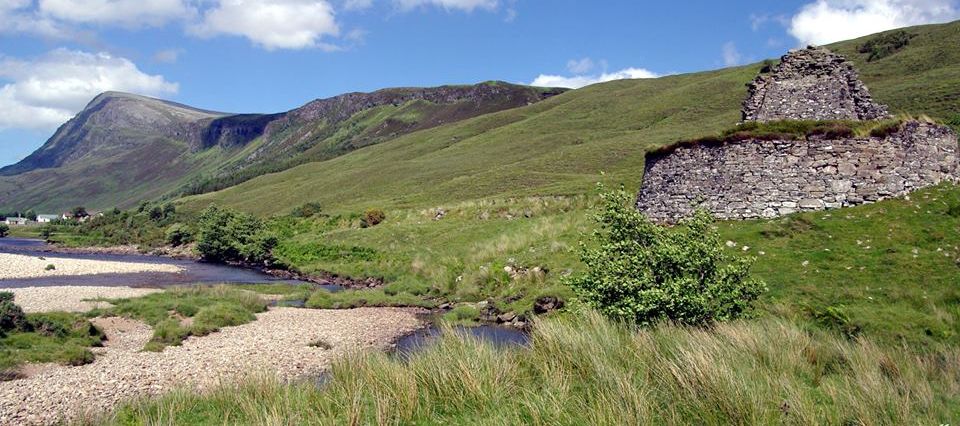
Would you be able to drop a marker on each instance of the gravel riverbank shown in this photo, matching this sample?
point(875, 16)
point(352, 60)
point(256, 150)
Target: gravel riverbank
point(16, 266)
point(278, 343)
point(71, 298)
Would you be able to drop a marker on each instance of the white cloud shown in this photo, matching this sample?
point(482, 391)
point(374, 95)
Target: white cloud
point(43, 93)
point(827, 21)
point(273, 24)
point(465, 5)
point(580, 66)
point(127, 13)
point(731, 56)
point(18, 17)
point(578, 81)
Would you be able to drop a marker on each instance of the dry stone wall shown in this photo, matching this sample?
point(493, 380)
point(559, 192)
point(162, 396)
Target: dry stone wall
point(754, 178)
point(810, 84)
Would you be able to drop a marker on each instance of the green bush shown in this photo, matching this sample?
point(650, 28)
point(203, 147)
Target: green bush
point(306, 210)
point(50, 267)
point(227, 235)
point(12, 317)
point(4, 230)
point(642, 272)
point(178, 234)
point(884, 45)
point(372, 217)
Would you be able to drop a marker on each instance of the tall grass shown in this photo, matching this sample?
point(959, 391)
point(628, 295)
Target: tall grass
point(587, 370)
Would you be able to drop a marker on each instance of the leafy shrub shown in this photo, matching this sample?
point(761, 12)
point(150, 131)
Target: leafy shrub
point(178, 234)
point(12, 317)
point(50, 267)
point(885, 45)
point(642, 272)
point(306, 210)
point(4, 230)
point(48, 326)
point(372, 217)
point(6, 296)
point(227, 235)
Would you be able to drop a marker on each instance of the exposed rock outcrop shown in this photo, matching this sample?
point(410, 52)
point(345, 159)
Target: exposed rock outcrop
point(811, 84)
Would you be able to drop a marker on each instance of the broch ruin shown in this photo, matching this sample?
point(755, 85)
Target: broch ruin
point(755, 178)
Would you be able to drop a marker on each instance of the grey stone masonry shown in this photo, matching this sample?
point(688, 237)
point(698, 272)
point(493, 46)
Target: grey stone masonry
point(810, 84)
point(756, 178)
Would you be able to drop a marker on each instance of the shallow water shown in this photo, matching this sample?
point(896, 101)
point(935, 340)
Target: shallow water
point(193, 272)
point(500, 337)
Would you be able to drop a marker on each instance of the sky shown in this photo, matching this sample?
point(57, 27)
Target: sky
point(275, 55)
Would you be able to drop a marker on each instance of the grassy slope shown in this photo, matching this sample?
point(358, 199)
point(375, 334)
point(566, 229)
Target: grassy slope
point(483, 170)
point(557, 146)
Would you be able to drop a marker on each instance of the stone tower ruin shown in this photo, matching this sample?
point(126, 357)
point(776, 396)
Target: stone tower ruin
point(811, 84)
point(754, 178)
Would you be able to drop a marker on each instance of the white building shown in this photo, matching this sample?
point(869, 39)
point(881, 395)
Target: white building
point(47, 218)
point(16, 221)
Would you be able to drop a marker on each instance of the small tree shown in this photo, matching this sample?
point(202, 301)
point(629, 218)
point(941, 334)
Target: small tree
point(228, 235)
point(79, 212)
point(642, 272)
point(31, 215)
point(4, 230)
point(177, 235)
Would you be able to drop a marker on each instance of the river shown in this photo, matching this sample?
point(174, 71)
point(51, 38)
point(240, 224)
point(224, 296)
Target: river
point(194, 272)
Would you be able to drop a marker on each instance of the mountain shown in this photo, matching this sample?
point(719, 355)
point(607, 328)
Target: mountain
point(123, 148)
point(560, 146)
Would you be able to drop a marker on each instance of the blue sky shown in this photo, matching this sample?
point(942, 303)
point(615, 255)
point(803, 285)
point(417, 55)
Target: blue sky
point(275, 55)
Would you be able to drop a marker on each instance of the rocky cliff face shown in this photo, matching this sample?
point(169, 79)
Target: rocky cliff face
point(810, 84)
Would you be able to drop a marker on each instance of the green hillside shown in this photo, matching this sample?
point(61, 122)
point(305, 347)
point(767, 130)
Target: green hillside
point(516, 187)
point(123, 148)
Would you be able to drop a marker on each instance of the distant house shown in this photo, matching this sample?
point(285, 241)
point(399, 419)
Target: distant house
point(47, 218)
point(66, 216)
point(16, 221)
